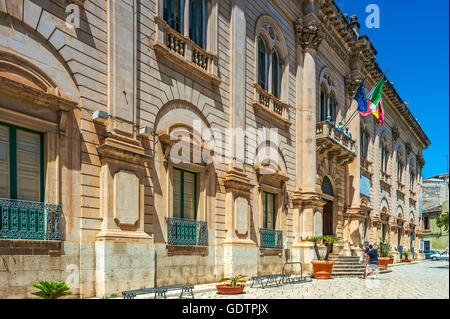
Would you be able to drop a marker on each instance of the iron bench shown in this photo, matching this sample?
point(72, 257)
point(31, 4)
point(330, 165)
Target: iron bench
point(158, 291)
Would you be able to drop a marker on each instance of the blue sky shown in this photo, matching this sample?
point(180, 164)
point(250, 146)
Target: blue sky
point(413, 41)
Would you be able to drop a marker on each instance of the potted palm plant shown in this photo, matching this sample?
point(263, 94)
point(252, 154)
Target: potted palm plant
point(235, 285)
point(384, 257)
point(322, 267)
point(51, 289)
point(406, 254)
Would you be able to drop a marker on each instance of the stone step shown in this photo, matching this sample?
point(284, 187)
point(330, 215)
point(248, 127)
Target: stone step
point(354, 273)
point(348, 268)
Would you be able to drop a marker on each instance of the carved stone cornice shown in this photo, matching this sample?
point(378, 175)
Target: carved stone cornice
point(236, 180)
point(116, 149)
point(306, 200)
point(309, 36)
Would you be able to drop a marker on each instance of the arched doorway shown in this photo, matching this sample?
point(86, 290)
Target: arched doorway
point(328, 208)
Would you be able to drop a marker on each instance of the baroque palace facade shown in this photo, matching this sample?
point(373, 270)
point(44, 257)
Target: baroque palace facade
point(91, 192)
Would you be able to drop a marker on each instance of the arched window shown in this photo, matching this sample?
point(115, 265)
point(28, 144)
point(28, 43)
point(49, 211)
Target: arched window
point(173, 14)
point(276, 74)
point(400, 167)
point(323, 105)
point(412, 176)
point(364, 137)
point(331, 107)
point(262, 63)
point(197, 22)
point(384, 154)
point(327, 187)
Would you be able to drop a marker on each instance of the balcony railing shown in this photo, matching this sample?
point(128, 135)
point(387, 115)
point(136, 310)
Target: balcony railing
point(22, 219)
point(271, 238)
point(183, 51)
point(335, 142)
point(385, 178)
point(189, 232)
point(271, 105)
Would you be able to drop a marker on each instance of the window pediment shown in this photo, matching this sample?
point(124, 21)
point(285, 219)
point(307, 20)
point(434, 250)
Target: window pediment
point(20, 78)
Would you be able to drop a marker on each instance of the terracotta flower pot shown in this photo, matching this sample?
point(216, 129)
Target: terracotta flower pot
point(406, 261)
point(383, 262)
point(322, 268)
point(391, 261)
point(226, 289)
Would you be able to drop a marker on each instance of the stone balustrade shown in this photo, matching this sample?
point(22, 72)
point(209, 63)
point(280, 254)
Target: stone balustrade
point(269, 104)
point(184, 52)
point(335, 142)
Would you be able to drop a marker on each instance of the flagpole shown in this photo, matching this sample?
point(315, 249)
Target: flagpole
point(351, 119)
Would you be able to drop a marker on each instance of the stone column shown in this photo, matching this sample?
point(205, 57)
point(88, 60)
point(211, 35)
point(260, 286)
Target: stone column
point(240, 253)
point(306, 200)
point(124, 253)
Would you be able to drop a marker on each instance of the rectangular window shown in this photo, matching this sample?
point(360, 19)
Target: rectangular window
point(269, 204)
point(184, 194)
point(426, 223)
point(21, 163)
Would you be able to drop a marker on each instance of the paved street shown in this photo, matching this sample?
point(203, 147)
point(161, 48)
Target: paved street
point(425, 280)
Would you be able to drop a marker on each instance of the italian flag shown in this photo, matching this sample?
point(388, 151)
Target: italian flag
point(374, 100)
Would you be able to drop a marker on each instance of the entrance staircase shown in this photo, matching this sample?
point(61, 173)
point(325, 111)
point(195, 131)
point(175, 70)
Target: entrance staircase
point(349, 266)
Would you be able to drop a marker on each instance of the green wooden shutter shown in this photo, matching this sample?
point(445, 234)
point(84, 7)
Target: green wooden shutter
point(5, 189)
point(28, 166)
point(177, 193)
point(189, 195)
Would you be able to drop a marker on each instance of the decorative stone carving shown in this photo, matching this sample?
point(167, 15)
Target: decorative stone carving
point(395, 133)
point(351, 85)
point(408, 149)
point(309, 37)
point(126, 195)
point(241, 209)
point(420, 160)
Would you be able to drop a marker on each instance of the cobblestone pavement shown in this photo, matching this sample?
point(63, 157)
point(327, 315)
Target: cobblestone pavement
point(424, 280)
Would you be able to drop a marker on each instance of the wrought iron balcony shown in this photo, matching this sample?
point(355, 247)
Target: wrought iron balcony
point(189, 232)
point(22, 219)
point(335, 142)
point(182, 51)
point(271, 238)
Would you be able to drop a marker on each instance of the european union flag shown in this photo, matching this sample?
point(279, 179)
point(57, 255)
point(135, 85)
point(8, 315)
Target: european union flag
point(360, 97)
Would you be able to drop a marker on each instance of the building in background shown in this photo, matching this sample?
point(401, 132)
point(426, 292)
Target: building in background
point(92, 121)
point(435, 202)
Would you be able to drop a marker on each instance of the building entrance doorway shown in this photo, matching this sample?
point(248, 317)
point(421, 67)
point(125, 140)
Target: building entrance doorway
point(328, 218)
point(328, 209)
